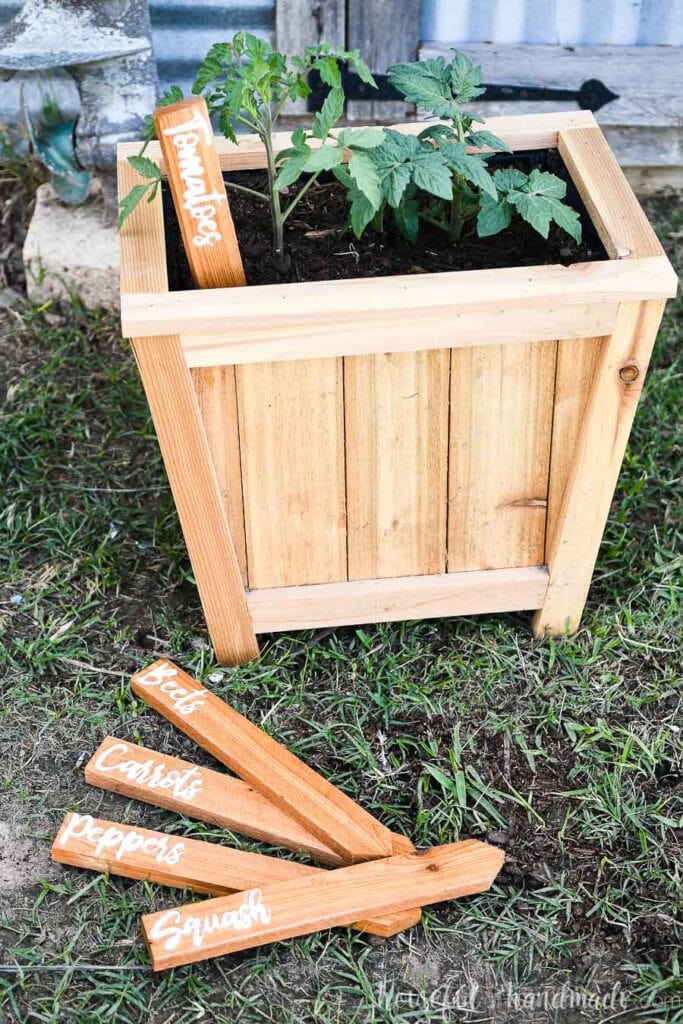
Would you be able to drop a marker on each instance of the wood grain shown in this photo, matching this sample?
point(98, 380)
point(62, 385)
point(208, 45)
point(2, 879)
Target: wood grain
point(200, 793)
point(385, 32)
point(328, 900)
point(616, 213)
point(292, 449)
point(617, 385)
point(575, 370)
point(501, 418)
point(199, 196)
point(525, 131)
point(182, 439)
point(272, 769)
point(363, 334)
point(183, 863)
point(396, 419)
point(388, 301)
point(388, 600)
point(217, 397)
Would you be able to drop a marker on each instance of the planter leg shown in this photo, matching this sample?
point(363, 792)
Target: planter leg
point(572, 549)
point(184, 447)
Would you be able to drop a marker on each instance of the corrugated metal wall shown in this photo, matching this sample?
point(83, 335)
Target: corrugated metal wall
point(566, 22)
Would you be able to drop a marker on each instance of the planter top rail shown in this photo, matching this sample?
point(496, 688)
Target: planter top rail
point(282, 321)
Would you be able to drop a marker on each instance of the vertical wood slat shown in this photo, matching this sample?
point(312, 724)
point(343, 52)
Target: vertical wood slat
point(396, 463)
point(579, 525)
point(577, 360)
point(177, 420)
point(291, 418)
point(501, 420)
point(385, 32)
point(217, 396)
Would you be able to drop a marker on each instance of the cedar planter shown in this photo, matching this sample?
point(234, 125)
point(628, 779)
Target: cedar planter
point(400, 447)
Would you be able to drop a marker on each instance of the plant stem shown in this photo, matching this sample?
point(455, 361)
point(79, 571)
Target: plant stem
point(250, 191)
point(274, 198)
point(302, 192)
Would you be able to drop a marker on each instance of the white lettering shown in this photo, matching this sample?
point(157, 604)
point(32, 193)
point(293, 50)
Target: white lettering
point(152, 774)
point(171, 929)
point(186, 139)
point(183, 701)
point(123, 842)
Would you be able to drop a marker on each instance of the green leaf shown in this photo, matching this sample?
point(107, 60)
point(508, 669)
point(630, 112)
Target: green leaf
point(363, 171)
point(292, 168)
point(482, 139)
point(471, 166)
point(328, 69)
point(361, 213)
point(328, 115)
point(431, 173)
point(361, 138)
point(174, 94)
point(360, 67)
point(212, 66)
point(394, 183)
point(509, 179)
point(539, 202)
point(494, 216)
point(427, 83)
point(407, 217)
point(130, 201)
point(465, 78)
point(545, 184)
point(324, 159)
point(144, 167)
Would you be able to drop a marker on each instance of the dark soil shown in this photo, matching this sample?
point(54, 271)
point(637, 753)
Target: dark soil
point(321, 247)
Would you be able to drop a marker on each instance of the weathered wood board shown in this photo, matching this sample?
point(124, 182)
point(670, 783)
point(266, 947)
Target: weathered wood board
point(179, 862)
point(331, 899)
point(248, 751)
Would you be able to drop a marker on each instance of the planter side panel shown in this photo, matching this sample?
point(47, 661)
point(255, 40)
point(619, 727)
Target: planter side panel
point(291, 425)
point(396, 463)
point(500, 435)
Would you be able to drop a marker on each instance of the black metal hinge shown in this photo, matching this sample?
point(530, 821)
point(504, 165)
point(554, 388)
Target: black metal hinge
point(592, 95)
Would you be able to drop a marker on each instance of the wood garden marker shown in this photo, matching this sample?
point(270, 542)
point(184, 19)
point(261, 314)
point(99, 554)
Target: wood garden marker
point(272, 769)
point(100, 845)
point(199, 195)
point(333, 898)
point(207, 795)
point(200, 793)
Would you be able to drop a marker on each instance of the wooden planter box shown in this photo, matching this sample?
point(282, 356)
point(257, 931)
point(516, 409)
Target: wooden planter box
point(401, 447)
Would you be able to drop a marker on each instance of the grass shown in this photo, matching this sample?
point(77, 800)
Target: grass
point(567, 753)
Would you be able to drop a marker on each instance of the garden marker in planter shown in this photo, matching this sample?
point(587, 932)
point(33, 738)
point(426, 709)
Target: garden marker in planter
point(272, 769)
point(332, 898)
point(199, 196)
point(107, 846)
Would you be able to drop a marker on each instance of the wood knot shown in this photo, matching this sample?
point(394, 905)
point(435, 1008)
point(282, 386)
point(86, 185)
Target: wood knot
point(629, 372)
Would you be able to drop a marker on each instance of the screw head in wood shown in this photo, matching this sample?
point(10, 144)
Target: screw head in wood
point(629, 372)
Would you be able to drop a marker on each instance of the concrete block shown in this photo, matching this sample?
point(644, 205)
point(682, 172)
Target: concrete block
point(72, 250)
